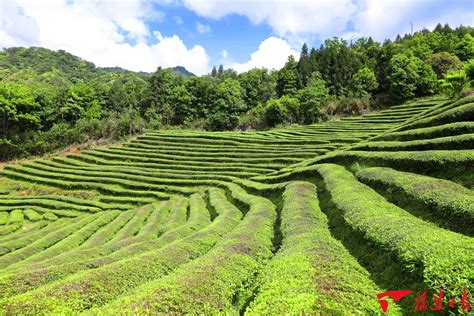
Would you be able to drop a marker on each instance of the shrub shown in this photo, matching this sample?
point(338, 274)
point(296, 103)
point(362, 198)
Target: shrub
point(453, 83)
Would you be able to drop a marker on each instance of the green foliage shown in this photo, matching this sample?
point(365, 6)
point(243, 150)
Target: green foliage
point(337, 63)
point(287, 83)
point(453, 83)
point(43, 60)
point(469, 70)
point(305, 66)
point(449, 129)
point(364, 82)
point(408, 76)
point(276, 113)
point(18, 108)
point(50, 217)
point(126, 93)
point(450, 203)
point(32, 215)
point(158, 94)
point(259, 86)
point(3, 218)
point(16, 216)
point(311, 98)
point(411, 243)
point(465, 49)
point(202, 243)
point(183, 102)
point(444, 62)
point(227, 105)
point(309, 252)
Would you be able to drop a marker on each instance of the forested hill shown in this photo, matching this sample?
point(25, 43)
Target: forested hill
point(43, 61)
point(50, 99)
point(16, 61)
point(179, 70)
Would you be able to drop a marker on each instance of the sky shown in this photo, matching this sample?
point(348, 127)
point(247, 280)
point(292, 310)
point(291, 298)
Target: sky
point(141, 35)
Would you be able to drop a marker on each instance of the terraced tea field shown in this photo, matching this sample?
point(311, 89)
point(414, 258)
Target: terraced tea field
point(314, 219)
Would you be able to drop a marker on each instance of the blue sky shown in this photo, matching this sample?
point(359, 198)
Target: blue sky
point(233, 33)
point(142, 34)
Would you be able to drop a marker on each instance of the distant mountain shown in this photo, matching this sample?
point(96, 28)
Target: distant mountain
point(182, 71)
point(117, 69)
point(114, 69)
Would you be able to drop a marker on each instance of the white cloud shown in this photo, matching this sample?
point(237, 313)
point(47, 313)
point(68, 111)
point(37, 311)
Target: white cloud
point(202, 28)
point(15, 27)
point(98, 31)
point(383, 19)
point(301, 20)
point(324, 17)
point(272, 53)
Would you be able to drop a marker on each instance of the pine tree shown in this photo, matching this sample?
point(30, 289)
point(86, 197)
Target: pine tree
point(220, 71)
point(287, 82)
point(304, 67)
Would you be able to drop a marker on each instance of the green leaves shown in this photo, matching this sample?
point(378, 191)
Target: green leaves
point(409, 76)
point(363, 82)
point(453, 83)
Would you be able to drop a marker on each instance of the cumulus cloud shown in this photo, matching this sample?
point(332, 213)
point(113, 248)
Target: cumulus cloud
point(301, 20)
point(202, 28)
point(383, 19)
point(272, 53)
point(285, 17)
point(16, 27)
point(99, 31)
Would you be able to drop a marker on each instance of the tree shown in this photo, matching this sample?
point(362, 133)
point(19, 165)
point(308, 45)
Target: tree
point(125, 93)
point(214, 72)
point(304, 67)
point(408, 76)
point(158, 93)
point(203, 90)
point(258, 86)
point(469, 70)
point(337, 64)
point(287, 83)
point(311, 97)
point(276, 113)
point(183, 102)
point(220, 71)
point(227, 105)
point(444, 62)
point(427, 84)
point(18, 108)
point(364, 82)
point(402, 76)
point(79, 99)
point(465, 49)
point(293, 106)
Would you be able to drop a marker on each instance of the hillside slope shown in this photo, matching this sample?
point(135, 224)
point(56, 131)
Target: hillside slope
point(314, 219)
